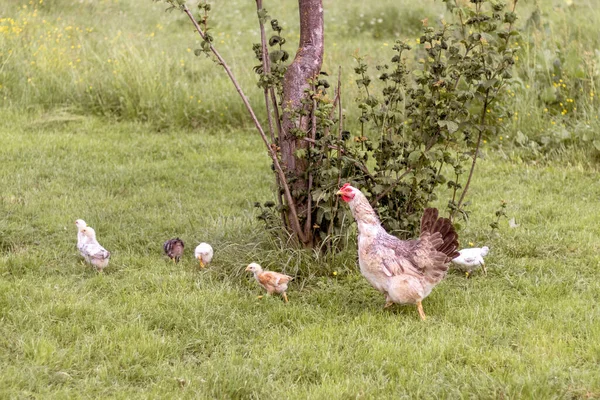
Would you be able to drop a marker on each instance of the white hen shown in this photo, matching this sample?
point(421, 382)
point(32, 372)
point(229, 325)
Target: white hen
point(92, 251)
point(471, 259)
point(80, 236)
point(203, 253)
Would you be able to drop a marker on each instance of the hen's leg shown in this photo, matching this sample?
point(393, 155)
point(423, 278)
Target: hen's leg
point(285, 297)
point(420, 309)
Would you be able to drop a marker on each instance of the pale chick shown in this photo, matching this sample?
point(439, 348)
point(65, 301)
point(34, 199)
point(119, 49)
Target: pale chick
point(204, 254)
point(92, 251)
point(471, 259)
point(405, 271)
point(80, 236)
point(273, 282)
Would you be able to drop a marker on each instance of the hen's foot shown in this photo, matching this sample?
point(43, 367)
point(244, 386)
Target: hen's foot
point(421, 312)
point(388, 304)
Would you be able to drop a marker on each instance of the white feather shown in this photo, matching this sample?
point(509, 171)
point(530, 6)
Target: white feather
point(80, 236)
point(92, 251)
point(471, 258)
point(204, 251)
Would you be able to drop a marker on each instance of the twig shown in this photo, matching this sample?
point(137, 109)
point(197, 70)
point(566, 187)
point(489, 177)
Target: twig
point(295, 222)
point(464, 192)
point(313, 135)
point(389, 188)
point(338, 98)
point(266, 70)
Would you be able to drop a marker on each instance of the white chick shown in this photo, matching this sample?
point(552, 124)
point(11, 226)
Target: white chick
point(204, 253)
point(92, 251)
point(80, 237)
point(471, 258)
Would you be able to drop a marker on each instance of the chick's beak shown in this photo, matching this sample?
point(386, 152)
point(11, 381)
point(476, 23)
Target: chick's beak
point(247, 268)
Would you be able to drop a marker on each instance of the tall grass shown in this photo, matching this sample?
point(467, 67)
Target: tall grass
point(130, 60)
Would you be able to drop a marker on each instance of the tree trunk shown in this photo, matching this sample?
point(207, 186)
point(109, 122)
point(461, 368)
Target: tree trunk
point(305, 67)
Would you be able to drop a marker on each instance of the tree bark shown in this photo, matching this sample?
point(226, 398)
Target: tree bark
point(305, 67)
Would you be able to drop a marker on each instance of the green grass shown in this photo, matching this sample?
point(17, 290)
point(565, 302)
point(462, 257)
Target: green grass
point(528, 330)
point(106, 115)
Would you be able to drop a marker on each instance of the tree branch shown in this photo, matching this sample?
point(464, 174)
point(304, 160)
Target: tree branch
point(464, 192)
point(294, 221)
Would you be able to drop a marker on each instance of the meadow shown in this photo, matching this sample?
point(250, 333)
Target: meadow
point(106, 115)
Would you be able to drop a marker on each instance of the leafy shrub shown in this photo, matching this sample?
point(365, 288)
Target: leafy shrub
point(426, 121)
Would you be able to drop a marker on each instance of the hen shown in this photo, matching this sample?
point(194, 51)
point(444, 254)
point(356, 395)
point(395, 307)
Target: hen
point(273, 282)
point(174, 249)
point(204, 254)
point(470, 259)
point(92, 251)
point(404, 270)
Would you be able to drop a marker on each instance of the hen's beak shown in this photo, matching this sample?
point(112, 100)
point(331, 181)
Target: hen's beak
point(339, 192)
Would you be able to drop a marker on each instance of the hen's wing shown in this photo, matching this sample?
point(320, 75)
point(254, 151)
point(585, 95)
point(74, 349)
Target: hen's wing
point(397, 255)
point(427, 256)
point(413, 257)
point(269, 278)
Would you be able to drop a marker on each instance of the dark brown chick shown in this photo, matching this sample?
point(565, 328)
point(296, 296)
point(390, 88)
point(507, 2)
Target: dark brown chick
point(174, 249)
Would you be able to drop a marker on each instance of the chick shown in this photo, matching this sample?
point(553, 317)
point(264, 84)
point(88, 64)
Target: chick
point(470, 259)
point(92, 251)
point(273, 282)
point(80, 236)
point(204, 254)
point(174, 249)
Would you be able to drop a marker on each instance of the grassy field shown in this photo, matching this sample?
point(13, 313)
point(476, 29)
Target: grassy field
point(106, 115)
point(147, 328)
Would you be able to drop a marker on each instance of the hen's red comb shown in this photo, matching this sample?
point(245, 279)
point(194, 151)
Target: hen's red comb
point(345, 186)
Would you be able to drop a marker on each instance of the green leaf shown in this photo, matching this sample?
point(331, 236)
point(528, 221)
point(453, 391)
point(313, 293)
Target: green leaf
point(263, 15)
point(450, 125)
point(414, 156)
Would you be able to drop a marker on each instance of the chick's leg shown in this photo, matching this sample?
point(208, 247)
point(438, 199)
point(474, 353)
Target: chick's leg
point(420, 309)
point(388, 302)
point(484, 268)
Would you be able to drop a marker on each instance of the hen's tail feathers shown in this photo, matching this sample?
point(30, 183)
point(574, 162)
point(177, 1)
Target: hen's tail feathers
point(431, 224)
